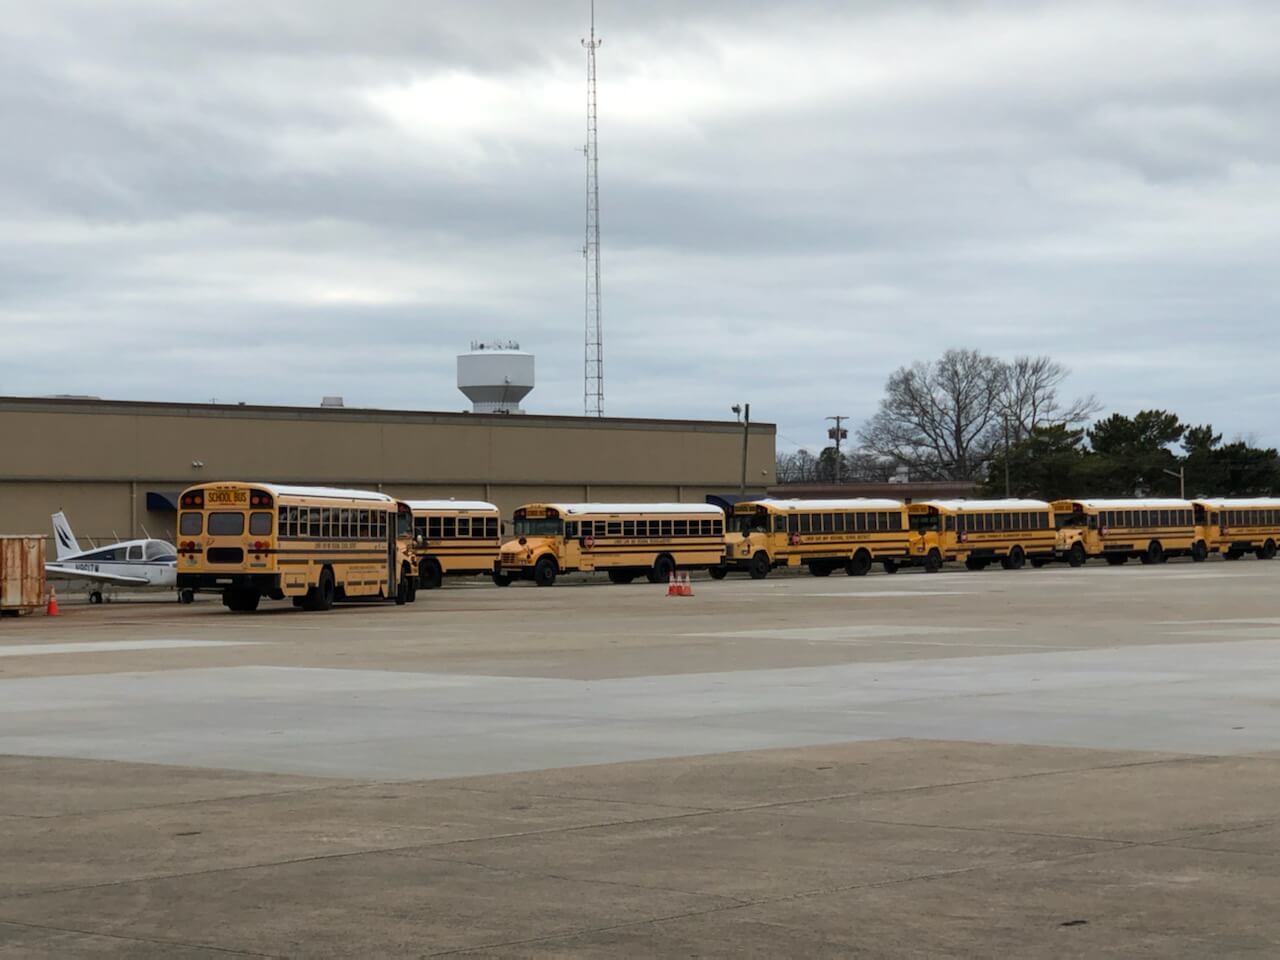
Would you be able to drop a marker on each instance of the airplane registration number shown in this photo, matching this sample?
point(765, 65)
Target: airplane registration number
point(227, 497)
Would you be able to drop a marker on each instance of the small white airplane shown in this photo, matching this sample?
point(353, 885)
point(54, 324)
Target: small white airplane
point(129, 563)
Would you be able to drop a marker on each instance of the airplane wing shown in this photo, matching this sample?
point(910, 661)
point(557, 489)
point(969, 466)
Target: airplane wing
point(60, 572)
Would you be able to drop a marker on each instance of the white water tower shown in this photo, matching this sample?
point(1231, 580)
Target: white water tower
point(495, 376)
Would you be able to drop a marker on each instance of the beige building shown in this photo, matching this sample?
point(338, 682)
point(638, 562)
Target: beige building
point(115, 467)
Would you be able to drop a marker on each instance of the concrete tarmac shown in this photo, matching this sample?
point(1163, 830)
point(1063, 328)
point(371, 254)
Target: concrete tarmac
point(1044, 763)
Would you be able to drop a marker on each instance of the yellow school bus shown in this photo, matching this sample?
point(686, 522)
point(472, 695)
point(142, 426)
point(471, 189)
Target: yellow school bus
point(978, 532)
point(1236, 527)
point(314, 545)
point(625, 540)
point(456, 538)
point(1150, 529)
point(822, 535)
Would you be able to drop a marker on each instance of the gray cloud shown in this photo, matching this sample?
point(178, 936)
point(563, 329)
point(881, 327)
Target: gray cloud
point(796, 199)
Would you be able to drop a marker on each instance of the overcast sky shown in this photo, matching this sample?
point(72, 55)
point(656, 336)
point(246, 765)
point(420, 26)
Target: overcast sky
point(276, 200)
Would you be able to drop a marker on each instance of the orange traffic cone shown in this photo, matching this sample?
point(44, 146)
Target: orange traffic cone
point(688, 587)
point(52, 609)
point(673, 588)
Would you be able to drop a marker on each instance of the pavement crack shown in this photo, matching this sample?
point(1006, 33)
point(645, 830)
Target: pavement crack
point(136, 939)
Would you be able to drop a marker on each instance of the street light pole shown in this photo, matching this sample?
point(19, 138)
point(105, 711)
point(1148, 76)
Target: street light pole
point(1182, 480)
point(837, 434)
point(746, 427)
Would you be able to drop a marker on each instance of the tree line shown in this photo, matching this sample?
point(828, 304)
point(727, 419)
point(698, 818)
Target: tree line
point(1003, 425)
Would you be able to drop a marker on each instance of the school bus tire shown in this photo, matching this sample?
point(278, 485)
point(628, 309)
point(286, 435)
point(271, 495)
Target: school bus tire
point(544, 571)
point(1036, 562)
point(891, 566)
point(820, 568)
point(758, 568)
point(403, 586)
point(1267, 551)
point(1199, 552)
point(1076, 555)
point(664, 565)
point(430, 576)
point(1015, 559)
point(320, 597)
point(718, 573)
point(933, 561)
point(1231, 555)
point(1116, 559)
point(859, 565)
point(1153, 554)
point(621, 576)
point(974, 563)
point(502, 579)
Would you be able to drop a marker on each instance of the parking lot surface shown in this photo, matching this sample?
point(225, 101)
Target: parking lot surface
point(1052, 762)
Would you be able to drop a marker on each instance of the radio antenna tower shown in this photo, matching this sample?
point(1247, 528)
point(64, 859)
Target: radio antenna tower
point(593, 376)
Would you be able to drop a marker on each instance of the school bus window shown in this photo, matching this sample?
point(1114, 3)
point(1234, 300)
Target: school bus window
point(614, 528)
point(463, 527)
point(226, 524)
point(628, 528)
point(191, 524)
point(260, 524)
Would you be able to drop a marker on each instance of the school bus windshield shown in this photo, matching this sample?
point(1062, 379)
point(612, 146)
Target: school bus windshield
point(925, 522)
point(538, 527)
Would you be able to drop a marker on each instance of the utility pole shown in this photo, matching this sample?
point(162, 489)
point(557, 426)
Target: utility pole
point(1008, 490)
point(837, 433)
point(593, 372)
point(745, 411)
point(1181, 474)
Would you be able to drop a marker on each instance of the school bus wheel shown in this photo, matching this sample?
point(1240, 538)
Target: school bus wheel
point(933, 561)
point(759, 566)
point(1076, 556)
point(430, 575)
point(718, 573)
point(320, 597)
point(663, 567)
point(859, 565)
point(544, 572)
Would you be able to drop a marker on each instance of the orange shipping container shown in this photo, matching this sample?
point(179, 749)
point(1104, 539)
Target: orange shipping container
point(21, 573)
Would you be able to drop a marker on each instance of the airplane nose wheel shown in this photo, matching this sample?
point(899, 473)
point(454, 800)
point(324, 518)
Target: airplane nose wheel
point(95, 596)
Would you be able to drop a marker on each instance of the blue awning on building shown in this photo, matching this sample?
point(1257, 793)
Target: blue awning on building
point(161, 501)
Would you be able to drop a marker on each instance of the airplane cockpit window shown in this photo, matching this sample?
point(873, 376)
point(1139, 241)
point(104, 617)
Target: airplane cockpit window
point(159, 550)
point(135, 552)
point(110, 553)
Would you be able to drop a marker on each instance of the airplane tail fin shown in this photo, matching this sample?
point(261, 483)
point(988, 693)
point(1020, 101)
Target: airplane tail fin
point(66, 540)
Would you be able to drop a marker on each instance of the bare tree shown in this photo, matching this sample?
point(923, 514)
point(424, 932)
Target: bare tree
point(1028, 397)
point(798, 467)
point(940, 419)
